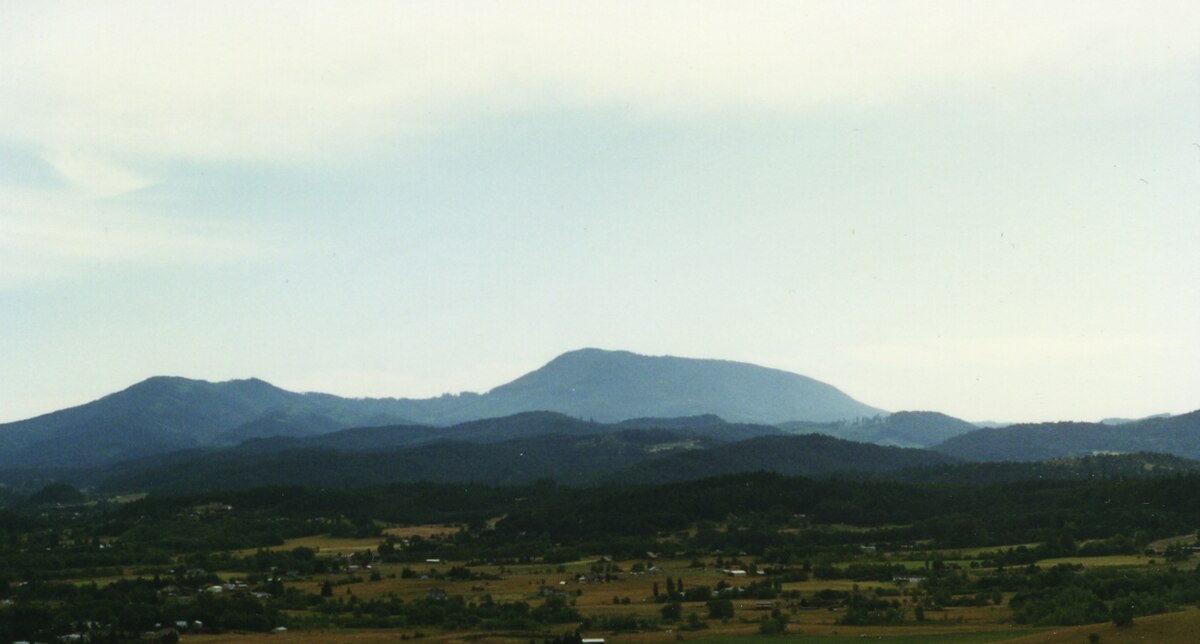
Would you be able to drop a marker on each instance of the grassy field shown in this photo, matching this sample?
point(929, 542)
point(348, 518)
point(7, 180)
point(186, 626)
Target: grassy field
point(1182, 627)
point(1099, 562)
point(911, 638)
point(1162, 544)
point(521, 583)
point(1172, 628)
point(731, 636)
point(632, 594)
point(324, 544)
point(423, 531)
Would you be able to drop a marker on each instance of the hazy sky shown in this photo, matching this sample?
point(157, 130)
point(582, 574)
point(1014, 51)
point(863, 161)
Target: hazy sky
point(987, 209)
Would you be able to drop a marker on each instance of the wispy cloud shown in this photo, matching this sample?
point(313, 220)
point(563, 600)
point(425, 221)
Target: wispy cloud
point(391, 383)
point(222, 80)
point(95, 177)
point(1002, 351)
point(50, 235)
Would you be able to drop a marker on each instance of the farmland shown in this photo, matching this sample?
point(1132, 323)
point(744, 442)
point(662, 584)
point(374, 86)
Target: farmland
point(726, 559)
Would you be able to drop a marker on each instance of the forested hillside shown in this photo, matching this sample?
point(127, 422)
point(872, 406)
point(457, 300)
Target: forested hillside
point(1176, 435)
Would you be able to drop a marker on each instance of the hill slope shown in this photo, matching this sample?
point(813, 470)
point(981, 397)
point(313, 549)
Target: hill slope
point(164, 414)
point(570, 459)
point(813, 455)
point(1083, 468)
point(1176, 435)
point(630, 455)
point(900, 429)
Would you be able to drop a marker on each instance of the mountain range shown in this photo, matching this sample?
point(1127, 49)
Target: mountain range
point(588, 416)
point(535, 446)
point(163, 414)
point(512, 450)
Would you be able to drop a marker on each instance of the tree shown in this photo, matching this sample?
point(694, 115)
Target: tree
point(672, 611)
point(773, 625)
point(327, 589)
point(720, 608)
point(1122, 612)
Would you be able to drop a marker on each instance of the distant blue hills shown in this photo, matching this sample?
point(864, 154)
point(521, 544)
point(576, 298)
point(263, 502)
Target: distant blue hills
point(586, 416)
point(162, 414)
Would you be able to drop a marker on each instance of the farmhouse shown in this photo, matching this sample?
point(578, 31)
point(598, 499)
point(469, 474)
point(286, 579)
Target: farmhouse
point(161, 636)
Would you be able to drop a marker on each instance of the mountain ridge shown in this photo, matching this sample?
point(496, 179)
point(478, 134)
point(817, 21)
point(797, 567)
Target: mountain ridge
point(165, 413)
point(1177, 435)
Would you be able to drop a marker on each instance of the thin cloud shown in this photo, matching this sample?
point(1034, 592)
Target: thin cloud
point(49, 236)
point(301, 81)
point(95, 177)
point(1001, 351)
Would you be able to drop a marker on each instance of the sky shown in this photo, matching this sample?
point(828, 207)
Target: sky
point(986, 209)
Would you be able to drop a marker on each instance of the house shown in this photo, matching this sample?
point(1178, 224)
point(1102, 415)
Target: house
point(437, 595)
point(161, 636)
point(736, 572)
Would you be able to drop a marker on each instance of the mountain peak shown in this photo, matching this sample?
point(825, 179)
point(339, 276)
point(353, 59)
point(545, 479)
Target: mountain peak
point(590, 354)
point(610, 386)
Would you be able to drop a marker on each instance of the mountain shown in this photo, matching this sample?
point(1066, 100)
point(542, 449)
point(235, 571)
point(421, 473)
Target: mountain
point(610, 386)
point(156, 415)
point(523, 426)
point(617, 456)
point(900, 429)
point(1126, 421)
point(163, 414)
point(573, 459)
point(524, 448)
point(813, 455)
point(1083, 468)
point(1176, 435)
